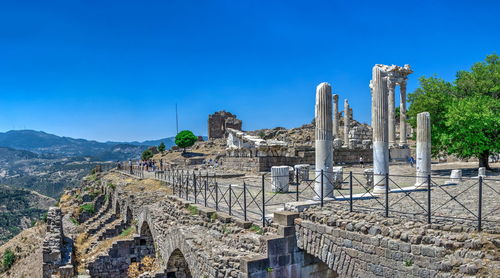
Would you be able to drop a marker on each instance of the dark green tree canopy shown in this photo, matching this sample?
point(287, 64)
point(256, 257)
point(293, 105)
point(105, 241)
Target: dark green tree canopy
point(465, 113)
point(161, 147)
point(147, 154)
point(185, 139)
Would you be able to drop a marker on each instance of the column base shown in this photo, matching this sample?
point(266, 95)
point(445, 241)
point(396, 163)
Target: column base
point(378, 190)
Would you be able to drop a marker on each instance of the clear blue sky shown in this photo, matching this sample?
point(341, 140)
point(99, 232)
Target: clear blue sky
point(113, 70)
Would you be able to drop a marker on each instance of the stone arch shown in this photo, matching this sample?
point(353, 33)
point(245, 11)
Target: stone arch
point(177, 266)
point(146, 236)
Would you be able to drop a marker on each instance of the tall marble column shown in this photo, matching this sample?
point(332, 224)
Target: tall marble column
point(324, 140)
point(347, 122)
point(380, 128)
point(402, 114)
point(392, 115)
point(335, 116)
point(423, 148)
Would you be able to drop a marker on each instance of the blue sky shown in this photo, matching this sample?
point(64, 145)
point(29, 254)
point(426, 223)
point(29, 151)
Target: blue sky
point(113, 70)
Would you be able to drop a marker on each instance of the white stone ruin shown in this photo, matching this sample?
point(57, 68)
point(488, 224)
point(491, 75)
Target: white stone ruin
point(368, 173)
point(423, 149)
point(455, 177)
point(338, 177)
point(481, 172)
point(324, 140)
point(280, 178)
point(302, 171)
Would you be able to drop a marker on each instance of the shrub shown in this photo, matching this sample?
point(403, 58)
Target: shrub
point(74, 221)
point(161, 147)
point(147, 155)
point(112, 186)
point(193, 210)
point(256, 229)
point(89, 208)
point(8, 259)
point(127, 231)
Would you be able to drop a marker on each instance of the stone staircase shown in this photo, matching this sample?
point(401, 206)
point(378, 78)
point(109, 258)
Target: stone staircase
point(105, 220)
point(104, 209)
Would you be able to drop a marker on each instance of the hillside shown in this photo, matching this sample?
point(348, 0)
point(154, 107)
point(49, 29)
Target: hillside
point(19, 209)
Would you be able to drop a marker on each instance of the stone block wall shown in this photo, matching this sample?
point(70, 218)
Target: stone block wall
point(56, 250)
point(219, 122)
point(351, 156)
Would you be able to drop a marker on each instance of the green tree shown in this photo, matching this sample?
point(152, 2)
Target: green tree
point(147, 154)
point(465, 114)
point(8, 259)
point(185, 139)
point(475, 122)
point(161, 147)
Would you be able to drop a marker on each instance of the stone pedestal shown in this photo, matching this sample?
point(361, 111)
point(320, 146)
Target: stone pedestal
point(455, 177)
point(368, 173)
point(280, 178)
point(337, 143)
point(324, 139)
point(302, 171)
point(337, 177)
point(423, 149)
point(481, 172)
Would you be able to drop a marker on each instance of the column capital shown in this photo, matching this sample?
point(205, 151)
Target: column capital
point(391, 83)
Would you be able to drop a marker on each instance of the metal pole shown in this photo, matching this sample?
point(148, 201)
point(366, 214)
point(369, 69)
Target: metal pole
point(230, 199)
point(263, 202)
point(206, 187)
point(322, 188)
point(386, 194)
point(216, 196)
point(480, 205)
point(195, 191)
point(350, 191)
point(429, 199)
point(298, 182)
point(245, 201)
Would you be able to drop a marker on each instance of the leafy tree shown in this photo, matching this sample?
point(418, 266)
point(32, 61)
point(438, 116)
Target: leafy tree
point(185, 139)
point(147, 154)
point(460, 110)
point(8, 259)
point(161, 147)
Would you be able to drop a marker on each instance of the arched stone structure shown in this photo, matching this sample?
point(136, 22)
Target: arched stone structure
point(177, 266)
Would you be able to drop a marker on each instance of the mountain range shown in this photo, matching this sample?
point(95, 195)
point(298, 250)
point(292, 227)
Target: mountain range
point(46, 144)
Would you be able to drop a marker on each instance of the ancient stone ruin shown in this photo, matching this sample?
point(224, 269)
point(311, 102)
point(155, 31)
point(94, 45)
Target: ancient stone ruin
point(219, 122)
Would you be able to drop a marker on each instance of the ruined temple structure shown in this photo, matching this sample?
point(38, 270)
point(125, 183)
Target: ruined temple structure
point(219, 122)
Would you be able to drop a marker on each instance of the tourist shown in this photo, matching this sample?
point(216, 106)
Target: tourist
point(361, 162)
point(411, 160)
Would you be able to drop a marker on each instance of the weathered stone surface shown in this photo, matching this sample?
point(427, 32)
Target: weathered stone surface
point(280, 178)
point(324, 138)
point(423, 162)
point(219, 122)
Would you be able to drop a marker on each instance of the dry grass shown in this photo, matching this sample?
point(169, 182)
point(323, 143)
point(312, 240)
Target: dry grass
point(148, 264)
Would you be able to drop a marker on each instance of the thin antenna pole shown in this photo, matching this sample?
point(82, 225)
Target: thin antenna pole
point(176, 119)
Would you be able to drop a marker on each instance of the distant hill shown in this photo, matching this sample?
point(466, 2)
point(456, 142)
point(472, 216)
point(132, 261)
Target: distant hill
point(40, 142)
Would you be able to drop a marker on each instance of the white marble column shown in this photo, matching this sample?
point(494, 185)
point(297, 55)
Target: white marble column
point(391, 118)
point(423, 149)
point(379, 122)
point(335, 116)
point(347, 123)
point(402, 114)
point(324, 140)
point(280, 178)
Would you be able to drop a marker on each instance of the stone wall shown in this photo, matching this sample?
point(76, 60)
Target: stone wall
point(219, 122)
point(56, 250)
point(351, 156)
point(368, 245)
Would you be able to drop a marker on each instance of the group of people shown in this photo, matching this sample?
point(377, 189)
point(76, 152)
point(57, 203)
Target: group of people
point(147, 165)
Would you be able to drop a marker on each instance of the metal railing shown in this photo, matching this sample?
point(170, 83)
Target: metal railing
point(434, 201)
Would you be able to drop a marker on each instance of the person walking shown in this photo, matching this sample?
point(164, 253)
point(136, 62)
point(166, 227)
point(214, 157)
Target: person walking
point(411, 160)
point(361, 162)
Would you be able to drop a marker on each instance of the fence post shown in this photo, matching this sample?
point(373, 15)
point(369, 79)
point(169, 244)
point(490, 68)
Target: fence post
point(216, 196)
point(263, 202)
point(480, 205)
point(429, 199)
point(321, 195)
point(298, 183)
point(245, 200)
point(350, 191)
point(386, 194)
point(195, 191)
point(230, 199)
point(206, 185)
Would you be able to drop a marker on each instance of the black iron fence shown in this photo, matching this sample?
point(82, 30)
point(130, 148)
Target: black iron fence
point(472, 201)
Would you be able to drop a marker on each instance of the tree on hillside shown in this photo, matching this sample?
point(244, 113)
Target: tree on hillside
point(465, 114)
point(147, 154)
point(185, 139)
point(161, 147)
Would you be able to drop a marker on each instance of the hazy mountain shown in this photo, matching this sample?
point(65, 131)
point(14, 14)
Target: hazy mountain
point(40, 142)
